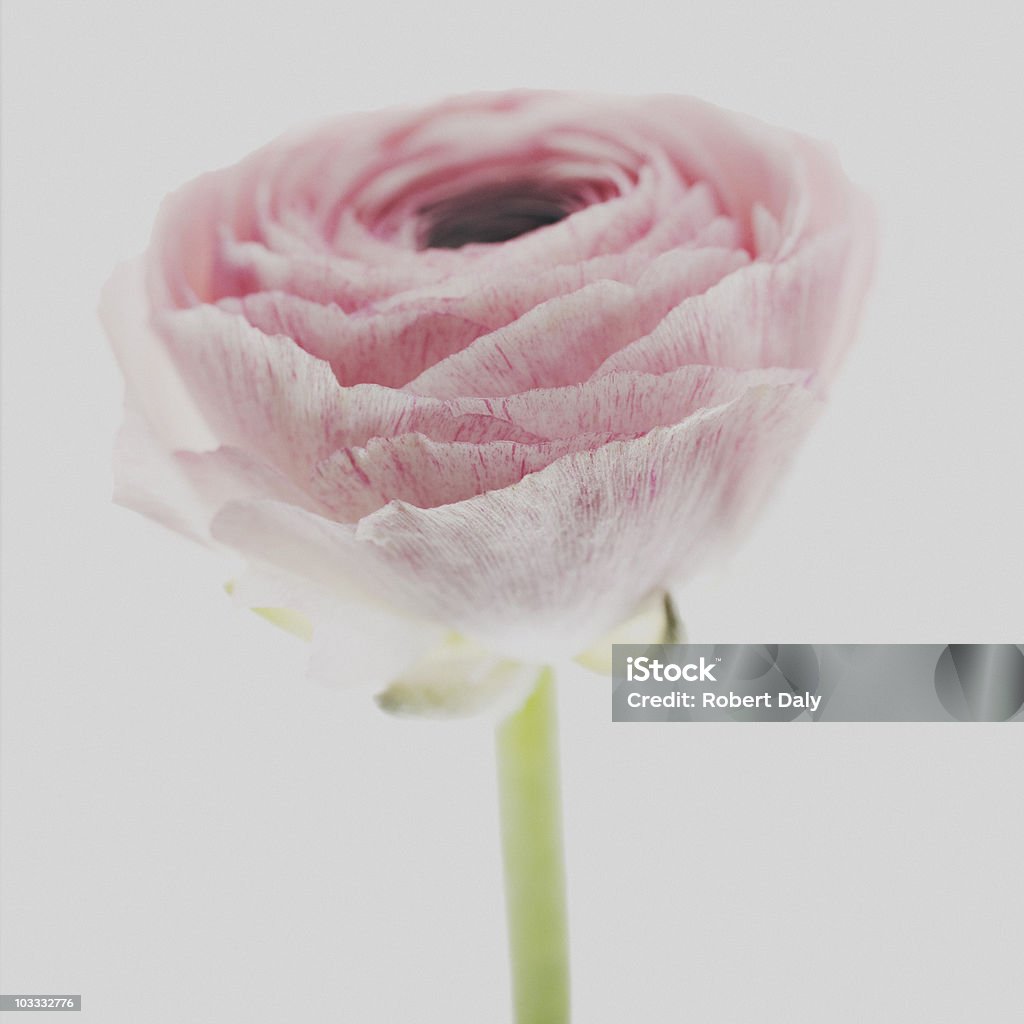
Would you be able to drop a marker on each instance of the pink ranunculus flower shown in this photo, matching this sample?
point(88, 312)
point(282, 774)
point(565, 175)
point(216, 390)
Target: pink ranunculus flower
point(504, 366)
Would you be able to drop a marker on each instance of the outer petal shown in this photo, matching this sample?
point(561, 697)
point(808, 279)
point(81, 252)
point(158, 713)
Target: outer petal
point(148, 480)
point(153, 386)
point(160, 415)
point(411, 468)
point(544, 567)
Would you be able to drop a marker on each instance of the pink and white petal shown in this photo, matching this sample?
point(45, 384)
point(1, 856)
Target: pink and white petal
point(154, 389)
point(548, 565)
point(388, 348)
point(231, 474)
point(411, 468)
point(184, 490)
point(544, 567)
point(826, 198)
point(356, 481)
point(265, 395)
point(566, 339)
point(326, 277)
point(747, 162)
point(765, 314)
point(188, 262)
point(259, 392)
point(627, 403)
point(684, 222)
point(159, 417)
point(149, 480)
point(559, 337)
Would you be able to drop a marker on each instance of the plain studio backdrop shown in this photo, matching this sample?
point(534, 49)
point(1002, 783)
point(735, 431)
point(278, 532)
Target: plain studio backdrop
point(193, 831)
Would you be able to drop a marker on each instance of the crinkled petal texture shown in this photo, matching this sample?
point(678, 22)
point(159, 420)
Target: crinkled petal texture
point(503, 366)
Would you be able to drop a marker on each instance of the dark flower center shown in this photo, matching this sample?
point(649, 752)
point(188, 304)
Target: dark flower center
point(494, 213)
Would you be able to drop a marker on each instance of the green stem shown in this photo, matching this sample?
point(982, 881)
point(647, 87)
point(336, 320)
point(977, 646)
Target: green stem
point(534, 869)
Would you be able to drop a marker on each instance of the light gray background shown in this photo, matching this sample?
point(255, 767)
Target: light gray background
point(193, 831)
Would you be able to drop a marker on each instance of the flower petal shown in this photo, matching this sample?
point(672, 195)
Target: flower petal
point(154, 388)
point(625, 403)
point(411, 468)
point(565, 340)
point(797, 313)
point(552, 562)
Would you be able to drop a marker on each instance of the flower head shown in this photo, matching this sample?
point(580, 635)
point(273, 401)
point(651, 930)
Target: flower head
point(507, 365)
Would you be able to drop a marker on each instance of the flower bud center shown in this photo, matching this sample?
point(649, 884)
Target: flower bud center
point(494, 213)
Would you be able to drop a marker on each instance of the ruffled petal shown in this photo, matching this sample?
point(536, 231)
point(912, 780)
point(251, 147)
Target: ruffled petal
point(154, 388)
point(555, 560)
point(797, 313)
point(565, 340)
point(625, 403)
point(411, 468)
